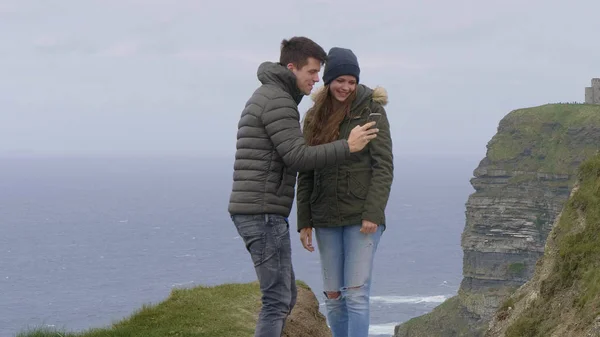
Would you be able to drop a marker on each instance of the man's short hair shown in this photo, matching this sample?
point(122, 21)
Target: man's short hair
point(298, 49)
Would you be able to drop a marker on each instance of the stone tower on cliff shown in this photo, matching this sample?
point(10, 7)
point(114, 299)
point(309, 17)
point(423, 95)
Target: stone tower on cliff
point(592, 94)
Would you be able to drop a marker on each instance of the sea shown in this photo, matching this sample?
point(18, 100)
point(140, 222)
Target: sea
point(86, 241)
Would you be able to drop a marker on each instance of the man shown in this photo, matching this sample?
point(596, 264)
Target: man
point(270, 151)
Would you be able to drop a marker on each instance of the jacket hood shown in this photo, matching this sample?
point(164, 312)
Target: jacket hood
point(276, 74)
point(363, 94)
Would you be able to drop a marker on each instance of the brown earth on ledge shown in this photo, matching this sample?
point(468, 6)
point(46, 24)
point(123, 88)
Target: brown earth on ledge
point(306, 320)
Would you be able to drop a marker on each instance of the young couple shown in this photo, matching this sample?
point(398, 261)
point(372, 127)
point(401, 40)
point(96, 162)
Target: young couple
point(343, 160)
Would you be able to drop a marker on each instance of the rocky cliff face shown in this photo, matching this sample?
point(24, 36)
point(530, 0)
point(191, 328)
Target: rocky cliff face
point(520, 187)
point(562, 298)
point(507, 222)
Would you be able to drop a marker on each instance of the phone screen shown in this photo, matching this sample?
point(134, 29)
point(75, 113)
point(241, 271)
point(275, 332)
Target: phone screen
point(374, 117)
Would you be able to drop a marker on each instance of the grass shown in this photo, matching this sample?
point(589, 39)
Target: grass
point(221, 311)
point(509, 303)
point(574, 284)
point(444, 320)
point(46, 332)
point(503, 312)
point(516, 269)
point(537, 139)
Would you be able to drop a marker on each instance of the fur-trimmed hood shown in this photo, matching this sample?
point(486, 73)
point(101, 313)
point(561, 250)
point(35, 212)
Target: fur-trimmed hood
point(378, 95)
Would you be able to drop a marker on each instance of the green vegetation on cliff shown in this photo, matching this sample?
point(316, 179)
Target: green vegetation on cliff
point(574, 283)
point(221, 311)
point(225, 310)
point(548, 138)
point(442, 321)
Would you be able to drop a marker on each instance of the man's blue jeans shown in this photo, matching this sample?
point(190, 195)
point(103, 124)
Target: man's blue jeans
point(267, 239)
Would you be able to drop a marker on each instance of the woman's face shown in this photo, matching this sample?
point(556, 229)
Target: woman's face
point(342, 87)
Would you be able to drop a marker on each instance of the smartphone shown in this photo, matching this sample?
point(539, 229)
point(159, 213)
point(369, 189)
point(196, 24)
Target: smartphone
point(374, 117)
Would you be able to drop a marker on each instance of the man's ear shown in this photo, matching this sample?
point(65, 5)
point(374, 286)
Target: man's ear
point(290, 66)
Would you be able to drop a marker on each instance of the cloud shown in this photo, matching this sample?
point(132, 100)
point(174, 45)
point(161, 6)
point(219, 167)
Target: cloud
point(46, 41)
point(48, 44)
point(244, 56)
point(7, 7)
point(57, 45)
point(129, 48)
point(121, 49)
point(376, 61)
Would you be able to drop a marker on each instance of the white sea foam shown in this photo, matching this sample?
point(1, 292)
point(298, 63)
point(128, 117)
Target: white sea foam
point(175, 285)
point(186, 255)
point(408, 299)
point(386, 329)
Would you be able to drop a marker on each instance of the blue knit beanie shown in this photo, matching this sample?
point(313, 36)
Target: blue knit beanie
point(340, 61)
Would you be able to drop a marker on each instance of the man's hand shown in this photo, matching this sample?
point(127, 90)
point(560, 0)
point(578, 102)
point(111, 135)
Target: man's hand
point(306, 239)
point(368, 227)
point(360, 136)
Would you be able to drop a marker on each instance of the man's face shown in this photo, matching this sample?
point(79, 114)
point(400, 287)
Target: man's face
point(307, 76)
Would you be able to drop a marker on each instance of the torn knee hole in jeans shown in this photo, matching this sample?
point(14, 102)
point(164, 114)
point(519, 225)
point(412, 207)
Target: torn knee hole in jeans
point(353, 288)
point(336, 295)
point(333, 295)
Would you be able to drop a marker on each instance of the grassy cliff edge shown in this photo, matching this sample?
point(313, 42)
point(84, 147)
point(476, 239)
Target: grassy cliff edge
point(545, 139)
point(228, 310)
point(448, 317)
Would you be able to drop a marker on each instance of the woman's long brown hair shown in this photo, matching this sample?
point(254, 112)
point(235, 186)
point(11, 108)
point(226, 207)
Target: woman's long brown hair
point(322, 122)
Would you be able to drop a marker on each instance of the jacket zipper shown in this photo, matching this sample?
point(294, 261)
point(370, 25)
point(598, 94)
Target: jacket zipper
point(281, 182)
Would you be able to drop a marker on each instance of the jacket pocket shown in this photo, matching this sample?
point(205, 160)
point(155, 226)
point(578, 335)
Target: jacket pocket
point(358, 183)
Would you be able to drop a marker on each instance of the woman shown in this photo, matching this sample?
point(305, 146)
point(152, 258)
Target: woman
point(345, 204)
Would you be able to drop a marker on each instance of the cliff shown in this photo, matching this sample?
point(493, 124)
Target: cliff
point(228, 310)
point(563, 297)
point(520, 187)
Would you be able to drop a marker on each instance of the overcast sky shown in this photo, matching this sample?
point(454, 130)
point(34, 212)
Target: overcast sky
point(171, 77)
